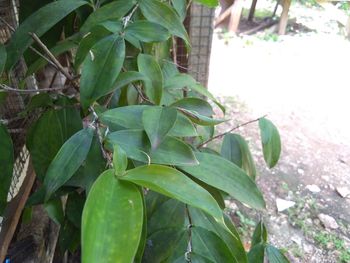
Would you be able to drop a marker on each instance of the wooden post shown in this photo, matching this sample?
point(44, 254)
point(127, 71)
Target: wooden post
point(284, 17)
point(252, 10)
point(236, 13)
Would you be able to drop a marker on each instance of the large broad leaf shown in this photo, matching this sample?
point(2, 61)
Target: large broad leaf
point(113, 11)
point(172, 183)
point(135, 143)
point(226, 176)
point(38, 23)
point(274, 255)
point(68, 160)
point(149, 66)
point(146, 31)
point(194, 104)
point(157, 122)
point(231, 238)
point(162, 14)
point(3, 56)
point(209, 3)
point(180, 7)
point(48, 134)
point(271, 142)
point(209, 245)
point(6, 164)
point(112, 221)
point(235, 149)
point(101, 69)
point(180, 81)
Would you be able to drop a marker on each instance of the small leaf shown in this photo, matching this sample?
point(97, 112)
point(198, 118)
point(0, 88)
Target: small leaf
point(194, 104)
point(162, 14)
point(112, 221)
point(200, 119)
point(55, 210)
point(146, 31)
point(235, 149)
point(157, 122)
point(100, 72)
point(226, 176)
point(275, 255)
point(6, 164)
point(183, 127)
point(125, 78)
point(112, 11)
point(39, 23)
point(209, 3)
point(68, 160)
point(120, 160)
point(259, 235)
point(271, 142)
point(149, 66)
point(172, 183)
point(3, 56)
point(180, 81)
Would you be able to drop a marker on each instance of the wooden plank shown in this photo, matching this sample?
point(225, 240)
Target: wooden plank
point(13, 212)
point(252, 10)
point(236, 13)
point(284, 17)
point(221, 18)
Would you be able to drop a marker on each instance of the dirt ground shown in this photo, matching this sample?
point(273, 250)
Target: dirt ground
point(301, 81)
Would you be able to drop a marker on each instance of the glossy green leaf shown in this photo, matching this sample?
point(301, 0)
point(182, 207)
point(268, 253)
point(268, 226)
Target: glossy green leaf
point(88, 41)
point(183, 127)
point(120, 160)
point(259, 235)
point(101, 68)
point(135, 143)
point(128, 77)
point(172, 183)
point(235, 149)
point(180, 81)
point(112, 11)
point(257, 254)
point(112, 221)
point(201, 119)
point(162, 14)
point(3, 56)
point(231, 238)
point(149, 66)
point(180, 7)
point(210, 245)
point(67, 161)
point(146, 31)
point(39, 23)
point(55, 210)
point(226, 176)
point(194, 104)
point(6, 164)
point(47, 135)
point(271, 142)
point(209, 3)
point(274, 255)
point(157, 122)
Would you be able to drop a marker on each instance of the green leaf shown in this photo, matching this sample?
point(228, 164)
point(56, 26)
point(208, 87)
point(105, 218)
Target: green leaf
point(69, 238)
point(88, 41)
point(100, 69)
point(112, 11)
point(74, 208)
point(120, 160)
point(226, 176)
point(259, 235)
point(210, 245)
point(172, 183)
point(194, 104)
point(200, 119)
point(47, 135)
point(67, 161)
point(125, 78)
point(6, 164)
point(112, 221)
point(162, 14)
point(3, 56)
point(271, 142)
point(55, 210)
point(136, 145)
point(149, 66)
point(235, 149)
point(180, 81)
point(157, 122)
point(275, 255)
point(183, 127)
point(146, 31)
point(180, 7)
point(39, 23)
point(209, 3)
point(257, 254)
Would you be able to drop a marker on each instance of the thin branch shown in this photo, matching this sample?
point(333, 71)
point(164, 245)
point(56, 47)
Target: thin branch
point(142, 96)
point(126, 19)
point(9, 89)
point(230, 130)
